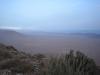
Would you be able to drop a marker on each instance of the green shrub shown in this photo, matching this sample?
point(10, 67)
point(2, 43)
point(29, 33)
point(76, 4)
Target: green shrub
point(72, 64)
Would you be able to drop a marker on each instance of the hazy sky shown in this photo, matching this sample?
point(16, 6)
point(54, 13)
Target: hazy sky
point(50, 15)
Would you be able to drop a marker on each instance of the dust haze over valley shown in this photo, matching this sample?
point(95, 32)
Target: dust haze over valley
point(52, 43)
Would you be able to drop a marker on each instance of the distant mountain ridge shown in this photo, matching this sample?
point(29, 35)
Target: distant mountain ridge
point(41, 33)
point(12, 33)
point(9, 33)
point(92, 35)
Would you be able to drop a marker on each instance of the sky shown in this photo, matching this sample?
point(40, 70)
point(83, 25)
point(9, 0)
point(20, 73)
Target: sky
point(50, 15)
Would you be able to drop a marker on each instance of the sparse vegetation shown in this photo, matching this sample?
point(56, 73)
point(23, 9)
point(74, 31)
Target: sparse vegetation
point(72, 63)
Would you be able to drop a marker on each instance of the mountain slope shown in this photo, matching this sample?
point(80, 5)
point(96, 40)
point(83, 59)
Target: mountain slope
point(18, 62)
point(15, 61)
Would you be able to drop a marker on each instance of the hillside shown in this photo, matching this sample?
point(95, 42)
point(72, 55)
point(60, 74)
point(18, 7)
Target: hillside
point(15, 62)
